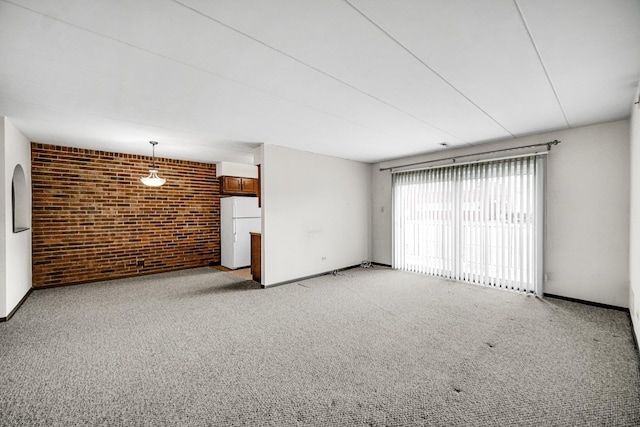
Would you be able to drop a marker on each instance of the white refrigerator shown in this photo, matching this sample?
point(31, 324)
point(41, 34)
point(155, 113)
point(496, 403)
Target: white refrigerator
point(238, 217)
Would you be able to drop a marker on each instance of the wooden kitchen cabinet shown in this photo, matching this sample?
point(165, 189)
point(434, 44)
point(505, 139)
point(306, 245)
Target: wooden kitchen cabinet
point(238, 186)
point(250, 185)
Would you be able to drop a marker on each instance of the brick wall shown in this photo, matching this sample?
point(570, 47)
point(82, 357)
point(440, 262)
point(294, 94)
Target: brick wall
point(93, 219)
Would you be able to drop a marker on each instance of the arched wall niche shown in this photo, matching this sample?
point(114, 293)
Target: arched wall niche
point(19, 200)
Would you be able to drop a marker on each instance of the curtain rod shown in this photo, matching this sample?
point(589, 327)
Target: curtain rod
point(473, 162)
point(548, 144)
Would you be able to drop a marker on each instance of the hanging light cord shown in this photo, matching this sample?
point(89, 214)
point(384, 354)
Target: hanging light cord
point(153, 158)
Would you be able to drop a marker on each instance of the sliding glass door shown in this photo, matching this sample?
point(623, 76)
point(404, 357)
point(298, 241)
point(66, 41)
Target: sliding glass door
point(479, 223)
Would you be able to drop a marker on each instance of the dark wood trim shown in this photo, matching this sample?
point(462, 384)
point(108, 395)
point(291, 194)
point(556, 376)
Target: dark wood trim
point(379, 264)
point(581, 301)
point(24, 298)
point(256, 257)
point(259, 186)
point(635, 340)
point(128, 276)
point(286, 282)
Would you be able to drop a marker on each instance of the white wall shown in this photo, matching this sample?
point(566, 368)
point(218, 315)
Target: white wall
point(5, 223)
point(588, 215)
point(16, 247)
point(236, 169)
point(634, 233)
point(587, 236)
point(316, 213)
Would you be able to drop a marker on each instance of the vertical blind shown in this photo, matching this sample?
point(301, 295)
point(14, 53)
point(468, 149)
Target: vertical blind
point(480, 223)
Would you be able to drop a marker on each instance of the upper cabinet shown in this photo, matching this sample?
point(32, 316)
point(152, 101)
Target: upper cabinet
point(238, 186)
point(238, 179)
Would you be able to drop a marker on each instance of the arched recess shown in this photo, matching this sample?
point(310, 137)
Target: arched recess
point(19, 200)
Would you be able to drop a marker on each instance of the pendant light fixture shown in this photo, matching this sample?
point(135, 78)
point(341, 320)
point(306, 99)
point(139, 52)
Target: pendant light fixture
point(153, 180)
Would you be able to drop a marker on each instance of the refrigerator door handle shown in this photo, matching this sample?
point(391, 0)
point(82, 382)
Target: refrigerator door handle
point(235, 233)
point(235, 210)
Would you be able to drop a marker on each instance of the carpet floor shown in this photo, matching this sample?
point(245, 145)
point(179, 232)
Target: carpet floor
point(364, 347)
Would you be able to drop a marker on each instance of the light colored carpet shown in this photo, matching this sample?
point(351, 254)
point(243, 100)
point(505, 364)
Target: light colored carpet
point(365, 347)
point(244, 273)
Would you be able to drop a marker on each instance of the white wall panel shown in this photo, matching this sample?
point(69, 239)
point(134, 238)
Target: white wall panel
point(634, 232)
point(316, 214)
point(16, 247)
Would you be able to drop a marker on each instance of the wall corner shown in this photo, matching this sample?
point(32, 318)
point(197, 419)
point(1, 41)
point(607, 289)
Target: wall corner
point(16, 241)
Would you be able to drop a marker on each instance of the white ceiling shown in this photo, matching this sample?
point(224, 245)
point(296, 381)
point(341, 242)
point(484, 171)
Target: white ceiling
point(368, 80)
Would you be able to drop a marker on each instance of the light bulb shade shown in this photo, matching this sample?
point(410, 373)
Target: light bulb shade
point(153, 180)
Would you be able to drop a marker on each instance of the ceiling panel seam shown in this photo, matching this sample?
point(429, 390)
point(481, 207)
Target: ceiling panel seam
point(316, 69)
point(204, 70)
point(424, 63)
point(539, 55)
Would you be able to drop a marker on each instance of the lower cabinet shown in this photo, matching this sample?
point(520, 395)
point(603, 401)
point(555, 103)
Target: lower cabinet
point(256, 255)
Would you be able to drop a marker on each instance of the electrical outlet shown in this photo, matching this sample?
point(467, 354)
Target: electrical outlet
point(324, 258)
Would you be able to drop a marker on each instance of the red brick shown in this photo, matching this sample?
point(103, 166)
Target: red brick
point(94, 220)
